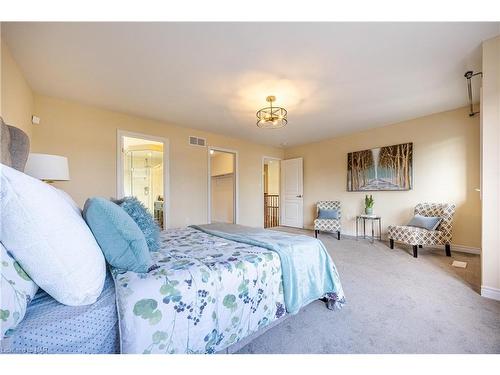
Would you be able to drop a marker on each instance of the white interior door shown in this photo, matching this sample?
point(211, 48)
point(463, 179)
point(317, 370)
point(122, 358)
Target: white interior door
point(292, 192)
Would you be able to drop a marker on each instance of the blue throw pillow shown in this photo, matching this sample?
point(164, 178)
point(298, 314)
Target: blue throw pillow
point(328, 214)
point(120, 238)
point(144, 220)
point(425, 222)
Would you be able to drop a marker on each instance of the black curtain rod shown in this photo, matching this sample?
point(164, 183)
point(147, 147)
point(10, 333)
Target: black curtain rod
point(468, 75)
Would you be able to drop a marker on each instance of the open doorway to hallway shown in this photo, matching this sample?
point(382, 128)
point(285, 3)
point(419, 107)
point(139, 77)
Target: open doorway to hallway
point(271, 185)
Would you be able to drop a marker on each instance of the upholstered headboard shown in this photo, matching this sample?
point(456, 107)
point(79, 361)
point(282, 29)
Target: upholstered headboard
point(14, 146)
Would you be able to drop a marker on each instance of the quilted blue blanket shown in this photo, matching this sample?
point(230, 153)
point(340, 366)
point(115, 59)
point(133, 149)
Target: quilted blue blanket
point(308, 272)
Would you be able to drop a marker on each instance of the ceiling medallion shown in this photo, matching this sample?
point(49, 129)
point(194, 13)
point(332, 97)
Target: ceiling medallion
point(271, 117)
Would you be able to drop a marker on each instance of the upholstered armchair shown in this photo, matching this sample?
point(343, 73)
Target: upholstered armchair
point(327, 225)
point(419, 237)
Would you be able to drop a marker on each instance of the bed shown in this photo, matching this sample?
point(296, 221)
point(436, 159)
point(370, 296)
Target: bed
point(214, 288)
point(213, 294)
point(51, 327)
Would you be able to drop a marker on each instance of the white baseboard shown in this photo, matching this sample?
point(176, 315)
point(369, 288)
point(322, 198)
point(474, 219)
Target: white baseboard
point(459, 248)
point(465, 249)
point(492, 293)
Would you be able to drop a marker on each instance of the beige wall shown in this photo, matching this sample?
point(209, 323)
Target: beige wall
point(490, 150)
point(17, 101)
point(87, 136)
point(446, 169)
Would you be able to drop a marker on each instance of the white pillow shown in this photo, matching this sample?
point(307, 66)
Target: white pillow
point(50, 239)
point(70, 201)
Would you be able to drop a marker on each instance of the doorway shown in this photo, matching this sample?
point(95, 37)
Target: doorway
point(222, 186)
point(271, 187)
point(142, 172)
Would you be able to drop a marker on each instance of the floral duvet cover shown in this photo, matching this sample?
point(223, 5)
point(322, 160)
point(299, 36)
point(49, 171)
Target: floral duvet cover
point(207, 294)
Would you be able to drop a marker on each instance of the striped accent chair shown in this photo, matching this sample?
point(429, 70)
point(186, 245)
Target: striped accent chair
point(419, 237)
point(327, 225)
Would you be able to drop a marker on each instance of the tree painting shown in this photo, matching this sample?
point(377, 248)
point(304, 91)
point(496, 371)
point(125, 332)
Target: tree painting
point(383, 168)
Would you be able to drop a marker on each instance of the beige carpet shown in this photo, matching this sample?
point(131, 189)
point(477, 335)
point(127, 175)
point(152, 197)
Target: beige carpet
point(395, 304)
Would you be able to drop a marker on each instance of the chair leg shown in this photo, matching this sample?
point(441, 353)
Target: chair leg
point(338, 235)
point(420, 246)
point(391, 243)
point(448, 249)
point(415, 251)
point(316, 233)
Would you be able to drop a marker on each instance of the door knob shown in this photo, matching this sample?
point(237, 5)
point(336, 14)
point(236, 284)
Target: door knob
point(299, 196)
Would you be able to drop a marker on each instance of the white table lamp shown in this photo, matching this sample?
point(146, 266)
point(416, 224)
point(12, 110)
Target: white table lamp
point(47, 167)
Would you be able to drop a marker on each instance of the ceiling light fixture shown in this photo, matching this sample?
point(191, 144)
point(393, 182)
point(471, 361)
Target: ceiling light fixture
point(271, 117)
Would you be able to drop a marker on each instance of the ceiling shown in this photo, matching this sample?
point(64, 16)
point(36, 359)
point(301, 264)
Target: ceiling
point(333, 78)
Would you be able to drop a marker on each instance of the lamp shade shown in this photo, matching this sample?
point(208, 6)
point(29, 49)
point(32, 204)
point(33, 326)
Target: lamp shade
point(47, 167)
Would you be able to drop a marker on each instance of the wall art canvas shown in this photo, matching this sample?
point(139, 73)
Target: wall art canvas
point(383, 168)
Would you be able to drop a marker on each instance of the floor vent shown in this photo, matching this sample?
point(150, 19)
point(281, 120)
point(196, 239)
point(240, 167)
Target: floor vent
point(459, 264)
point(195, 141)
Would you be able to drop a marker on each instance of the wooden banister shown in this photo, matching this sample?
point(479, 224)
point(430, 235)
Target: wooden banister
point(271, 210)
